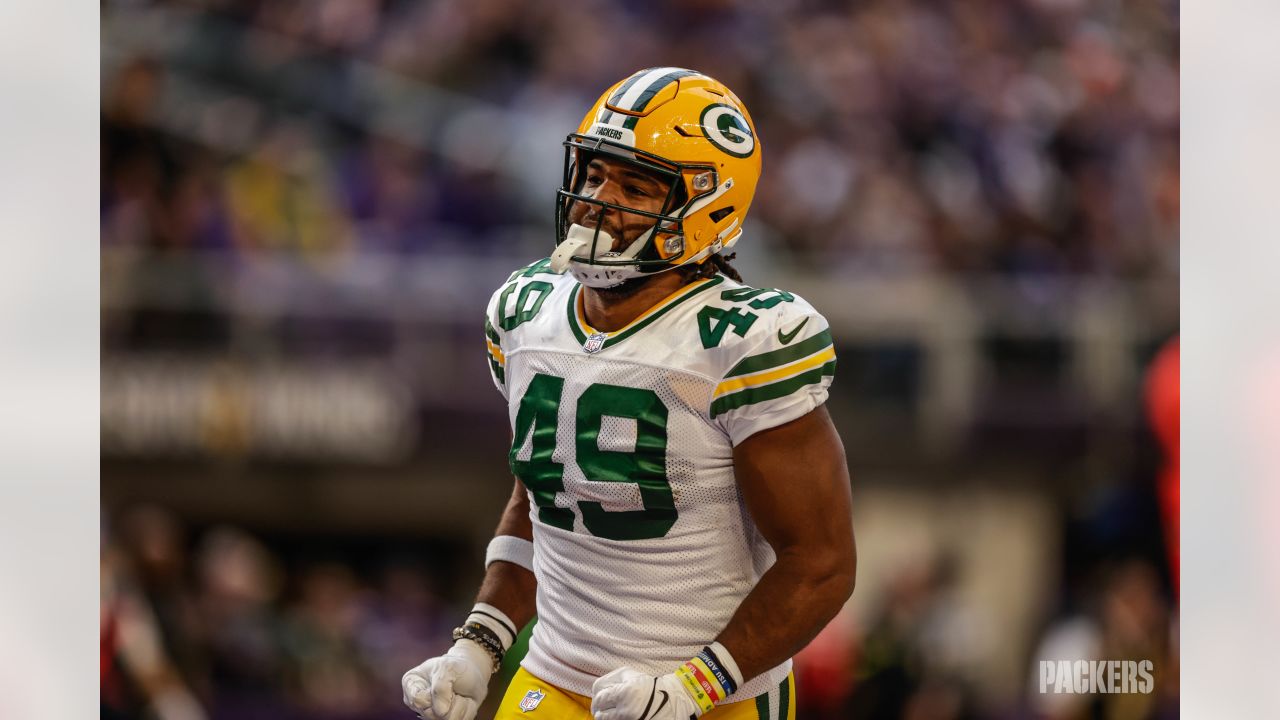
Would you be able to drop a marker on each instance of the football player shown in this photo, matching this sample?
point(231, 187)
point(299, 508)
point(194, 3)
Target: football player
point(681, 518)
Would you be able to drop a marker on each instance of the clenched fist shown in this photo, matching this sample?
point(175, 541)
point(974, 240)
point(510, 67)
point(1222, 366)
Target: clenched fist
point(626, 694)
point(449, 687)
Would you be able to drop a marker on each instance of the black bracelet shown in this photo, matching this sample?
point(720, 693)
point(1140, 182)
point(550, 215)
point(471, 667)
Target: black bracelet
point(485, 638)
point(708, 656)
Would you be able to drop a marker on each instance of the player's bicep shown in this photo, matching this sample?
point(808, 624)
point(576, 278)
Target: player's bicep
point(795, 483)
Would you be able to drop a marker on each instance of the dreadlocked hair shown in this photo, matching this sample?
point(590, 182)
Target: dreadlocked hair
point(716, 264)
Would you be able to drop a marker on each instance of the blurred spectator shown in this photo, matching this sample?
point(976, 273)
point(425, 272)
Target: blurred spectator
point(1126, 619)
point(156, 542)
point(137, 675)
point(917, 656)
point(239, 582)
point(257, 638)
point(1162, 405)
point(389, 194)
point(824, 670)
point(408, 622)
point(327, 670)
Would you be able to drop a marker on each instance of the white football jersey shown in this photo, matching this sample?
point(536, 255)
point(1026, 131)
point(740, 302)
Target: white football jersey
point(643, 547)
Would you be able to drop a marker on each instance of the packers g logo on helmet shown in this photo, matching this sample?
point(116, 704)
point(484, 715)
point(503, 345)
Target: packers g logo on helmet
point(689, 130)
point(728, 130)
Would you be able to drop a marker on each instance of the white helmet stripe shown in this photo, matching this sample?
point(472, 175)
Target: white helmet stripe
point(657, 86)
point(625, 86)
point(636, 92)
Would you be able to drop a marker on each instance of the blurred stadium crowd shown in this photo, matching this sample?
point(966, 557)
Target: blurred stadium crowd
point(221, 621)
point(1020, 136)
point(325, 156)
point(221, 624)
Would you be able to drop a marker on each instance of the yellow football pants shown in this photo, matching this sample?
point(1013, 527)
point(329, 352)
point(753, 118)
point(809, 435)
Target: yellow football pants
point(544, 700)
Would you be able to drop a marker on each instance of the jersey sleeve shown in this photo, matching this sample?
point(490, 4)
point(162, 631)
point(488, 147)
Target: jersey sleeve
point(514, 302)
point(493, 344)
point(779, 373)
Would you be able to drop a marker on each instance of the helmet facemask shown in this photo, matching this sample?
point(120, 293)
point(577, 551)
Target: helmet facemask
point(588, 250)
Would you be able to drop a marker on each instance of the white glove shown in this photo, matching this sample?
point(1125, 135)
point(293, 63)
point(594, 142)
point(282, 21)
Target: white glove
point(627, 694)
point(449, 687)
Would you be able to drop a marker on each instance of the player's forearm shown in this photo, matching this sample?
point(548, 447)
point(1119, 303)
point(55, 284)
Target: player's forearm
point(788, 607)
point(511, 589)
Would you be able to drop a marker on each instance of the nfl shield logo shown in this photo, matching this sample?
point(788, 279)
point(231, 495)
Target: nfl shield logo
point(594, 343)
point(531, 700)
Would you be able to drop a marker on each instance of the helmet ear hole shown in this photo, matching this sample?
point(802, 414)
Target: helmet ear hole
point(718, 215)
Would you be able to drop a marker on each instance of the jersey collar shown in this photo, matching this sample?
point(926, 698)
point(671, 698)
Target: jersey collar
point(581, 330)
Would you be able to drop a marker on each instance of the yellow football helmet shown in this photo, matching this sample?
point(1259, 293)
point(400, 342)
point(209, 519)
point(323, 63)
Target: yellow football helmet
point(684, 127)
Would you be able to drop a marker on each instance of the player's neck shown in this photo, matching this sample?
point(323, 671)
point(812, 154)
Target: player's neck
point(609, 310)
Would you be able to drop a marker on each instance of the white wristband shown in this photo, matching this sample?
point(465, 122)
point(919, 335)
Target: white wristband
point(512, 549)
point(497, 621)
point(727, 662)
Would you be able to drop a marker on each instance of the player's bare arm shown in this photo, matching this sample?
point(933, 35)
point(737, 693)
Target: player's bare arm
point(796, 485)
point(508, 586)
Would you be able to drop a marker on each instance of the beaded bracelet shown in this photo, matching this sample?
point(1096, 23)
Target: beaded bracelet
point(485, 638)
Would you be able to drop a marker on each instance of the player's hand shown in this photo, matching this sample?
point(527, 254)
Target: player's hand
point(626, 694)
point(449, 687)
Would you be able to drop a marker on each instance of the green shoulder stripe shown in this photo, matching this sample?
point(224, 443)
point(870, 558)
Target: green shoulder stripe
point(494, 365)
point(498, 372)
point(775, 358)
point(784, 698)
point(772, 391)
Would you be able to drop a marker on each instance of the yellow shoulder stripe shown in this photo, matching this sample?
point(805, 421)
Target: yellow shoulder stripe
point(768, 376)
point(496, 352)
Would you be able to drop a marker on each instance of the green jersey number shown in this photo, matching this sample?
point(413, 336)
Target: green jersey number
point(524, 310)
point(543, 476)
point(645, 466)
point(753, 294)
point(714, 322)
point(711, 335)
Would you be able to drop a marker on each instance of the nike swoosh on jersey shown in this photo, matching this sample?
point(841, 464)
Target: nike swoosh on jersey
point(785, 338)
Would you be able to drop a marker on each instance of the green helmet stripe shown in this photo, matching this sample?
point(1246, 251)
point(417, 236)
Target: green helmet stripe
point(622, 89)
point(656, 86)
point(606, 115)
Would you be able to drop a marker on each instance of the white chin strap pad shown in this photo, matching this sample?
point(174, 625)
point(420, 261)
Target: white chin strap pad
point(576, 242)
